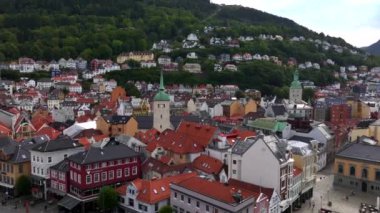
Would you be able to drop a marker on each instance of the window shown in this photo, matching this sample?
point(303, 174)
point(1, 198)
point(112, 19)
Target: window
point(352, 170)
point(134, 170)
point(104, 164)
point(88, 179)
point(79, 178)
point(38, 159)
point(119, 162)
point(42, 171)
point(340, 169)
point(234, 162)
point(197, 204)
point(111, 163)
point(34, 158)
point(61, 176)
point(96, 165)
point(207, 208)
point(126, 172)
point(118, 173)
point(110, 175)
point(175, 194)
point(182, 198)
point(49, 159)
point(71, 175)
point(143, 207)
point(189, 200)
point(88, 167)
point(364, 173)
point(53, 174)
point(65, 156)
point(377, 175)
point(234, 171)
point(131, 202)
point(96, 177)
point(104, 176)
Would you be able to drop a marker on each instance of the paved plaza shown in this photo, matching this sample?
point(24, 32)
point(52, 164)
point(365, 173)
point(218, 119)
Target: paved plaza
point(337, 195)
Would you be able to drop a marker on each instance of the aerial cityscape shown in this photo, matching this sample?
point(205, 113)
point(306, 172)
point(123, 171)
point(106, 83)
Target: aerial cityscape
point(186, 106)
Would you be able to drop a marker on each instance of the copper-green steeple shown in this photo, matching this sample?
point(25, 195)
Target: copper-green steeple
point(162, 95)
point(296, 84)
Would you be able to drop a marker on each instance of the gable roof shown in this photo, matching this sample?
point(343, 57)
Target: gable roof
point(153, 191)
point(270, 124)
point(98, 154)
point(117, 119)
point(201, 133)
point(207, 164)
point(60, 143)
point(215, 190)
point(179, 143)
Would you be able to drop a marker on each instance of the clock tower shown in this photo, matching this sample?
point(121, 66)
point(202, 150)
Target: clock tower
point(161, 108)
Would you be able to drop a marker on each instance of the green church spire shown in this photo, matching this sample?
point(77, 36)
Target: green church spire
point(296, 84)
point(162, 95)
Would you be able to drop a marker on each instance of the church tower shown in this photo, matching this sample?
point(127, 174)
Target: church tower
point(295, 92)
point(161, 108)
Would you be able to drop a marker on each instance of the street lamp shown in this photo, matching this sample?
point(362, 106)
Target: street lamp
point(321, 202)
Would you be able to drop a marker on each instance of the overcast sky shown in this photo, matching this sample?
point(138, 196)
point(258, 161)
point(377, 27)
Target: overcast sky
point(356, 21)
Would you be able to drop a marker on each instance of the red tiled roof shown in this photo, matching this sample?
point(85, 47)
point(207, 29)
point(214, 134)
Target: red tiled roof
point(165, 159)
point(151, 146)
point(154, 191)
point(201, 133)
point(179, 143)
point(5, 130)
point(122, 190)
point(49, 131)
point(207, 164)
point(99, 138)
point(215, 190)
point(252, 187)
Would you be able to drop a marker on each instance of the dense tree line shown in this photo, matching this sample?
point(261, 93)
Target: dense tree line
point(264, 76)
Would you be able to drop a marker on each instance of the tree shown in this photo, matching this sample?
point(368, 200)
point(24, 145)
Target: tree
point(107, 199)
point(165, 209)
point(307, 94)
point(132, 90)
point(23, 185)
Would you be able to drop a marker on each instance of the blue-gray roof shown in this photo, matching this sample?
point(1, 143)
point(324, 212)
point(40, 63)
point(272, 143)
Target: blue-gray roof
point(361, 151)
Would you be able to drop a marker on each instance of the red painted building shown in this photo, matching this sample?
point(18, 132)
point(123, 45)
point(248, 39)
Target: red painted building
point(339, 114)
point(110, 165)
point(59, 178)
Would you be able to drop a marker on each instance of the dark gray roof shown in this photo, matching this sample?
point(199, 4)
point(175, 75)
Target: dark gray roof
point(117, 119)
point(278, 109)
point(361, 151)
point(61, 143)
point(7, 145)
point(240, 147)
point(146, 122)
point(365, 123)
point(98, 154)
point(62, 166)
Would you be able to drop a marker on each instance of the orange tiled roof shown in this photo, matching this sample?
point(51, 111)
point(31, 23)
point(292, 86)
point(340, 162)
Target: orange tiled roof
point(179, 143)
point(154, 191)
point(198, 132)
point(215, 190)
point(49, 131)
point(296, 171)
point(207, 164)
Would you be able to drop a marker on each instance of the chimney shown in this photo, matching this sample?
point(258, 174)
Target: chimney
point(237, 196)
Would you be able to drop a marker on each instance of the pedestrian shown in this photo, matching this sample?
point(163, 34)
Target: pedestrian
point(313, 205)
point(45, 208)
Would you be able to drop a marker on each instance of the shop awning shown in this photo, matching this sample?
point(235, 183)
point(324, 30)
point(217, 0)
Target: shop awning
point(68, 202)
